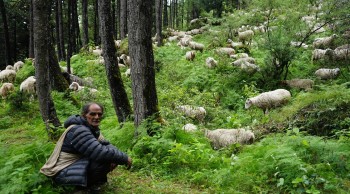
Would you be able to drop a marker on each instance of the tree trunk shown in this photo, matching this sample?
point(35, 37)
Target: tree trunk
point(165, 13)
point(123, 18)
point(41, 10)
point(76, 26)
point(59, 53)
point(6, 34)
point(113, 20)
point(142, 68)
point(159, 22)
point(60, 29)
point(30, 26)
point(84, 5)
point(171, 14)
point(96, 24)
point(117, 26)
point(116, 86)
point(70, 36)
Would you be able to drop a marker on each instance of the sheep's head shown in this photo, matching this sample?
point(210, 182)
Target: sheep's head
point(74, 86)
point(248, 103)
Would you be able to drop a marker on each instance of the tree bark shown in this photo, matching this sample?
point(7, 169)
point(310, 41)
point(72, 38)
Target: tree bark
point(142, 68)
point(6, 33)
point(61, 31)
point(30, 26)
point(123, 18)
point(165, 13)
point(114, 20)
point(97, 39)
point(41, 10)
point(119, 96)
point(159, 22)
point(76, 26)
point(84, 5)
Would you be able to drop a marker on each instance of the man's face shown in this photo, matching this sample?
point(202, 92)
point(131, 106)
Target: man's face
point(94, 115)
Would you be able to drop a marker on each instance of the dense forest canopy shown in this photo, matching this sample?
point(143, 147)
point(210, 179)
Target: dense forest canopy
point(206, 96)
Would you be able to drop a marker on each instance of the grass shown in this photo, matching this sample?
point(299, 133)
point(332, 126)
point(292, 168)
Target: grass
point(285, 158)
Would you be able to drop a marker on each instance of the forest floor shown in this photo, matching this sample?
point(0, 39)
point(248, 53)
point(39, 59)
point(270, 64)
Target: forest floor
point(124, 181)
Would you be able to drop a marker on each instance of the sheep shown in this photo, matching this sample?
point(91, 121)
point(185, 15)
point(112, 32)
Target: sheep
point(297, 44)
point(97, 52)
point(321, 54)
point(189, 127)
point(126, 60)
point(341, 54)
point(5, 89)
point(185, 41)
point(8, 76)
point(173, 38)
point(267, 100)
point(18, 65)
point(73, 78)
point(76, 87)
point(239, 55)
point(211, 62)
point(240, 61)
point(128, 72)
point(305, 84)
point(198, 113)
point(225, 51)
point(327, 73)
point(248, 67)
point(246, 36)
point(196, 46)
point(28, 86)
point(225, 137)
point(65, 69)
point(9, 67)
point(325, 42)
point(117, 43)
point(190, 55)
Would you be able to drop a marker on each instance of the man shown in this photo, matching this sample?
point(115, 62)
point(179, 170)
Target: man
point(82, 157)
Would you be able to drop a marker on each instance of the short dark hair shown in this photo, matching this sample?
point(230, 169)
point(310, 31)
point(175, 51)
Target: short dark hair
point(86, 108)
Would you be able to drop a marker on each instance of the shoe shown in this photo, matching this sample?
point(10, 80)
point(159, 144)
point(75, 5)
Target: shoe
point(94, 189)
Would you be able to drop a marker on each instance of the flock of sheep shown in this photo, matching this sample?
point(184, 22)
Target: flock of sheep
point(265, 101)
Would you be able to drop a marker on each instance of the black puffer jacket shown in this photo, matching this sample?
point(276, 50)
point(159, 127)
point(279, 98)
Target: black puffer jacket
point(82, 139)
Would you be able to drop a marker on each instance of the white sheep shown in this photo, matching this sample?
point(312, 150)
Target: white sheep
point(240, 61)
point(327, 73)
point(65, 69)
point(76, 87)
point(173, 38)
point(189, 127)
point(318, 54)
point(246, 36)
point(248, 67)
point(28, 85)
point(128, 72)
point(184, 41)
point(193, 112)
point(305, 84)
point(225, 51)
point(8, 75)
point(225, 137)
point(211, 62)
point(9, 67)
point(196, 46)
point(267, 100)
point(97, 52)
point(6, 88)
point(190, 55)
point(126, 60)
point(117, 43)
point(239, 55)
point(324, 42)
point(341, 54)
point(18, 65)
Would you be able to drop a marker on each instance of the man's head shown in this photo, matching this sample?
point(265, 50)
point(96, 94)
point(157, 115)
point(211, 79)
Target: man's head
point(92, 112)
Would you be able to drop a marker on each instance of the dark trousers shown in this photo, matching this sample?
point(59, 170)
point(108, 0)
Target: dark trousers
point(97, 173)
